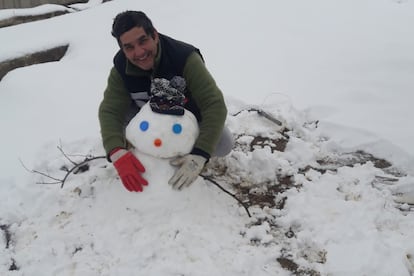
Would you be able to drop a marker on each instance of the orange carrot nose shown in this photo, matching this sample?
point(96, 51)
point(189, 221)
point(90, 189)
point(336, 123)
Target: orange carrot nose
point(157, 142)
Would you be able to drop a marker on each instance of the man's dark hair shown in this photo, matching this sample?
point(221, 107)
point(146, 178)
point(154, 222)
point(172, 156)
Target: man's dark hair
point(127, 20)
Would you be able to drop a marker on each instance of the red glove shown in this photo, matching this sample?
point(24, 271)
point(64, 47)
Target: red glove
point(129, 169)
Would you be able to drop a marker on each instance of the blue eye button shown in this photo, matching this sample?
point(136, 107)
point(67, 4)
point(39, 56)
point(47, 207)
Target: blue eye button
point(144, 125)
point(177, 128)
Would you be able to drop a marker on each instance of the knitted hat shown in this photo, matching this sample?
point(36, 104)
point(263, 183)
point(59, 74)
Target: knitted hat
point(167, 97)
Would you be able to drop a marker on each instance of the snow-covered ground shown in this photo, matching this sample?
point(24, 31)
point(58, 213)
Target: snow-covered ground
point(346, 64)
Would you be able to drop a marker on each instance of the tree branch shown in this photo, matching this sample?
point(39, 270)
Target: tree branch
point(64, 154)
point(78, 167)
point(227, 192)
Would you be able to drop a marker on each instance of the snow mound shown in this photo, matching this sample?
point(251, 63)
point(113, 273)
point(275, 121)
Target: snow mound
point(316, 209)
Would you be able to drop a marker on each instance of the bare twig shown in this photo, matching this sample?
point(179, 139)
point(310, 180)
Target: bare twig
point(227, 192)
point(41, 173)
point(263, 114)
point(64, 154)
point(76, 168)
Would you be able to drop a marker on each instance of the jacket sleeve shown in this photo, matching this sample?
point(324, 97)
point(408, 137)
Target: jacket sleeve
point(112, 112)
point(209, 100)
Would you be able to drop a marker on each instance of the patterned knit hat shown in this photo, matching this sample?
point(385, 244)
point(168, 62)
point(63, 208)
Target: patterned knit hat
point(167, 97)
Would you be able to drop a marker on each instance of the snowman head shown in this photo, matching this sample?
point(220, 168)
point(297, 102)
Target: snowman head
point(162, 135)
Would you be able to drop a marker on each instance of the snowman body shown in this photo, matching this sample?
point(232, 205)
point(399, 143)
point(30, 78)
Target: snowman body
point(158, 138)
point(166, 220)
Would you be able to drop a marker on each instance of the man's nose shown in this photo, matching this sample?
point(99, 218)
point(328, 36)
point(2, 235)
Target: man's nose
point(138, 51)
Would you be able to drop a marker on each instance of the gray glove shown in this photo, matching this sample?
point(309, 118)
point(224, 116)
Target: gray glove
point(191, 167)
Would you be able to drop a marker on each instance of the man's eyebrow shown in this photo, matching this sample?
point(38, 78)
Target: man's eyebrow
point(141, 38)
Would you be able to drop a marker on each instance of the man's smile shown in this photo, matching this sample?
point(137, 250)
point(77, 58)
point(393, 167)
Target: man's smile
point(144, 57)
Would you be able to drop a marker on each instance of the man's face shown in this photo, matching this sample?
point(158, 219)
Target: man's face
point(139, 48)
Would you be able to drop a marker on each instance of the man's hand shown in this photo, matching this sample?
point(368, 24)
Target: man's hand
point(129, 170)
point(191, 167)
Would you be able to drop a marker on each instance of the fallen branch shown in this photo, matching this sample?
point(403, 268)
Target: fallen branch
point(77, 167)
point(80, 167)
point(227, 192)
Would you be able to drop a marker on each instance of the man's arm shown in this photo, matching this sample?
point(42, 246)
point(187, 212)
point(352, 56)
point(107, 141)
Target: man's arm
point(209, 100)
point(112, 112)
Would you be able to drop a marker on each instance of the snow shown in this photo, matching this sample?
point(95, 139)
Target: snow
point(338, 74)
point(46, 8)
point(39, 10)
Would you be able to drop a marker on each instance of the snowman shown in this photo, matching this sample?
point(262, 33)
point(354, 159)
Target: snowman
point(161, 131)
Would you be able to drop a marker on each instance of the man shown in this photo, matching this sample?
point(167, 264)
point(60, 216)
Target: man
point(145, 55)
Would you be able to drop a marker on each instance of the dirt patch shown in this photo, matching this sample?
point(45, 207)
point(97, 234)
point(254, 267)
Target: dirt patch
point(274, 144)
point(290, 265)
point(270, 194)
point(53, 54)
point(7, 234)
point(8, 240)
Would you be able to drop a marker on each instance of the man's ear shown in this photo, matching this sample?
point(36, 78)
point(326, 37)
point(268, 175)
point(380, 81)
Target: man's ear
point(156, 36)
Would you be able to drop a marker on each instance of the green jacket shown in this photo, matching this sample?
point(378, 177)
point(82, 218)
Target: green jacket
point(204, 91)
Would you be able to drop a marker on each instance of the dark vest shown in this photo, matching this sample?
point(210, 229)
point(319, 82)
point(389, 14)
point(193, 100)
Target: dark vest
point(174, 56)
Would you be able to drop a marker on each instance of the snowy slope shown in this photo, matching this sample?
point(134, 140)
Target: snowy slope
point(316, 210)
point(323, 201)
